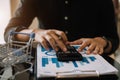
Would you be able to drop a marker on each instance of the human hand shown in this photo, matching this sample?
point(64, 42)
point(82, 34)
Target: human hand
point(95, 45)
point(54, 38)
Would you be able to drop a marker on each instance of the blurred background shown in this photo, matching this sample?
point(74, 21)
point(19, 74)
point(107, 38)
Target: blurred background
point(4, 16)
point(8, 7)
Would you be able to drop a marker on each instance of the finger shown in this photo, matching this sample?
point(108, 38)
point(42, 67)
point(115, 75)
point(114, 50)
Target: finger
point(60, 43)
point(83, 45)
point(90, 48)
point(61, 34)
point(52, 42)
point(77, 42)
point(97, 50)
point(64, 37)
point(44, 43)
point(62, 46)
point(101, 51)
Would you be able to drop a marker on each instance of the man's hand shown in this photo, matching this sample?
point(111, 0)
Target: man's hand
point(54, 38)
point(95, 45)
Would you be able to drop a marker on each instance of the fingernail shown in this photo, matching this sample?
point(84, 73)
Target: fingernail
point(56, 49)
point(64, 49)
point(79, 50)
point(88, 52)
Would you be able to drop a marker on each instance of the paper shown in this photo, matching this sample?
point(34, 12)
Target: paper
point(91, 65)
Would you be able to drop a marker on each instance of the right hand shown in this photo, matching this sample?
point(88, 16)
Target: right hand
point(51, 37)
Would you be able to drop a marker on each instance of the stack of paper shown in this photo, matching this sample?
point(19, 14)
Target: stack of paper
point(91, 65)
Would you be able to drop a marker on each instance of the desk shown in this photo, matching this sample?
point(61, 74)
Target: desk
point(31, 76)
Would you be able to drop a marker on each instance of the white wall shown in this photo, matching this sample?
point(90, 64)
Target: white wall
point(4, 17)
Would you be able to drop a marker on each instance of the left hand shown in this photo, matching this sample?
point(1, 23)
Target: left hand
point(95, 45)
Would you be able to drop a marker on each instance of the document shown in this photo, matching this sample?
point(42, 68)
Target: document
point(91, 65)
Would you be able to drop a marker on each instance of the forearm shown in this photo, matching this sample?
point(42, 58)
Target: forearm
point(24, 38)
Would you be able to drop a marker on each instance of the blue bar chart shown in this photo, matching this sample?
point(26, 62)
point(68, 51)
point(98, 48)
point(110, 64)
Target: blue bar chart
point(86, 60)
point(48, 64)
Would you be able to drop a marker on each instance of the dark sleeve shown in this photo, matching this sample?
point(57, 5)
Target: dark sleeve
point(108, 23)
point(24, 15)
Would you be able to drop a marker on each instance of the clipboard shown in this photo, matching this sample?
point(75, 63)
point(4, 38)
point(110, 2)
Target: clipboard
point(77, 73)
point(49, 67)
point(71, 74)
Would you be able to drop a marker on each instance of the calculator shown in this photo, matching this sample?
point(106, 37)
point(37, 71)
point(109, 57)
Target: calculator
point(70, 55)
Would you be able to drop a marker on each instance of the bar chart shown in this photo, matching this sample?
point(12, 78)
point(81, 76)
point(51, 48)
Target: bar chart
point(48, 64)
point(86, 60)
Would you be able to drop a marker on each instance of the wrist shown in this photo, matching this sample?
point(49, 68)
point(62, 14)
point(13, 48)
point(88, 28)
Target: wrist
point(104, 41)
point(22, 37)
point(107, 42)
